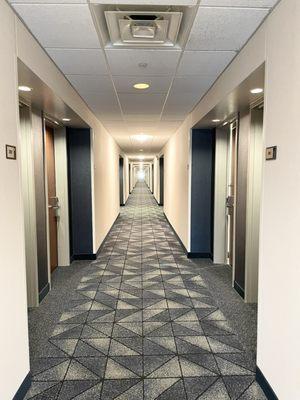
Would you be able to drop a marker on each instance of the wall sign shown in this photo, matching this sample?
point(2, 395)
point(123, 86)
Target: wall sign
point(11, 152)
point(271, 153)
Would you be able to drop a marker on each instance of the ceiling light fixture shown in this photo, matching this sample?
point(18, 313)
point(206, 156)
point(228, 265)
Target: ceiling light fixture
point(66, 119)
point(256, 90)
point(216, 120)
point(24, 89)
point(141, 138)
point(143, 65)
point(226, 123)
point(141, 86)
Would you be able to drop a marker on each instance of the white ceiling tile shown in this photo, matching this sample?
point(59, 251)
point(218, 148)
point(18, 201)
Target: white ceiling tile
point(173, 116)
point(48, 1)
point(217, 28)
point(108, 116)
point(79, 61)
point(60, 25)
point(118, 127)
point(158, 84)
point(142, 117)
point(148, 2)
point(105, 101)
point(159, 62)
point(142, 103)
point(104, 105)
point(196, 85)
point(239, 3)
point(181, 104)
point(204, 62)
point(91, 83)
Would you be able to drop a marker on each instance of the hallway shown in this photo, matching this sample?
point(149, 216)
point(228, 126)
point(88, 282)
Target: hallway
point(141, 324)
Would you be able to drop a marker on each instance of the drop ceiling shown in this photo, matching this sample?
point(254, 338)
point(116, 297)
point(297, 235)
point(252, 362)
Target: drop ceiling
point(212, 33)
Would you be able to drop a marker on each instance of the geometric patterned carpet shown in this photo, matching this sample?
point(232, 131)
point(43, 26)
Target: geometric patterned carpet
point(142, 324)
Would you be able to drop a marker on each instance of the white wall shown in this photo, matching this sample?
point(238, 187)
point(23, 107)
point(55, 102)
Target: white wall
point(277, 43)
point(279, 272)
point(176, 181)
point(16, 41)
point(14, 360)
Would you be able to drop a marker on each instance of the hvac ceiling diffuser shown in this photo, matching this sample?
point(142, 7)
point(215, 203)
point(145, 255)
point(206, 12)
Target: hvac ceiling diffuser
point(143, 29)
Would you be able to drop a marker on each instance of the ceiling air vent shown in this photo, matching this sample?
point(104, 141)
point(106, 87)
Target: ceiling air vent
point(143, 29)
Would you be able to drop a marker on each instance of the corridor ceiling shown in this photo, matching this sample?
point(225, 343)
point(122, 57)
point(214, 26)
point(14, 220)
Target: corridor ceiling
point(212, 32)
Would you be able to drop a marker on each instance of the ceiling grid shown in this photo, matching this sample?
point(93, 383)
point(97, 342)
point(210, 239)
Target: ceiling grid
point(104, 75)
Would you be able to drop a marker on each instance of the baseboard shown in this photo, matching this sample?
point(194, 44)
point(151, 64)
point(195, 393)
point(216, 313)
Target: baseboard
point(177, 237)
point(264, 384)
point(239, 289)
point(106, 236)
point(84, 256)
point(43, 293)
point(23, 389)
point(199, 255)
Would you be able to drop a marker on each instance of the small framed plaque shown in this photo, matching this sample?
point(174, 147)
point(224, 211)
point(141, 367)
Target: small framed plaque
point(271, 153)
point(11, 152)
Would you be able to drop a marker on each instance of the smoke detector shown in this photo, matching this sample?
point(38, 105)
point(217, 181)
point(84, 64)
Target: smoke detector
point(143, 28)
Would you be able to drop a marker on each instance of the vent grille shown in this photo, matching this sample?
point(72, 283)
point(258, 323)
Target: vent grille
point(143, 29)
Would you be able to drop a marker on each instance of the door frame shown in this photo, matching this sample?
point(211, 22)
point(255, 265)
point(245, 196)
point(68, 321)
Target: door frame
point(29, 204)
point(254, 196)
point(161, 180)
point(53, 241)
point(230, 236)
point(121, 180)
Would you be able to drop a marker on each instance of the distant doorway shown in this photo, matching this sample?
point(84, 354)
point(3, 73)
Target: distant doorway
point(129, 178)
point(52, 198)
point(121, 179)
point(161, 181)
point(152, 178)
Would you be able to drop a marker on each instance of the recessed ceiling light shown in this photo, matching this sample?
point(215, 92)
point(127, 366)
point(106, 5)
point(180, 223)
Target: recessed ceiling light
point(66, 119)
point(56, 123)
point(141, 86)
point(256, 90)
point(24, 89)
point(141, 137)
point(216, 120)
point(226, 123)
point(143, 65)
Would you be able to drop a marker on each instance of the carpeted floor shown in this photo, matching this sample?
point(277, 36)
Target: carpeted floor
point(141, 322)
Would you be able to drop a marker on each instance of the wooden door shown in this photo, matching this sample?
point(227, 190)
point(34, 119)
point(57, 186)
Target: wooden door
point(52, 199)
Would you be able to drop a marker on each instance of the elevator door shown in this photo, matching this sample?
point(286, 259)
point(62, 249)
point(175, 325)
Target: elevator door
point(52, 199)
point(231, 194)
